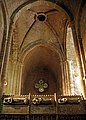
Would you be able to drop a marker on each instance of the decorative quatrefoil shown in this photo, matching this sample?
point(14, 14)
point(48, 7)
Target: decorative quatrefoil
point(41, 85)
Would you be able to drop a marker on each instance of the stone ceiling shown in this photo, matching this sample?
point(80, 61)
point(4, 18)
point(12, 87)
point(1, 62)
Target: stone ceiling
point(56, 18)
point(29, 27)
point(40, 23)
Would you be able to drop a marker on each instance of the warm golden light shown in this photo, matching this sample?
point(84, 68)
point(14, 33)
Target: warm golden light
point(74, 67)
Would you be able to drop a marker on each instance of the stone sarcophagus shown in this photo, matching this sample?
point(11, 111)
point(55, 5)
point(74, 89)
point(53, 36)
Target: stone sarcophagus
point(29, 104)
point(15, 104)
point(42, 104)
point(16, 100)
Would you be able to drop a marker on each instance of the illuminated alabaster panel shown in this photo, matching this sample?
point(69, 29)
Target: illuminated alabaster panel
point(74, 67)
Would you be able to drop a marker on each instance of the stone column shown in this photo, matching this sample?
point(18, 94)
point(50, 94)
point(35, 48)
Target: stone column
point(18, 78)
point(65, 78)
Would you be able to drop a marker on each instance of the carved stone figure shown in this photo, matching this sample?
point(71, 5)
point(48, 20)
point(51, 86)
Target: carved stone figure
point(42, 101)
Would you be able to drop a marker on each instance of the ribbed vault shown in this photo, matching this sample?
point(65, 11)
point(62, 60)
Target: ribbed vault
point(43, 23)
